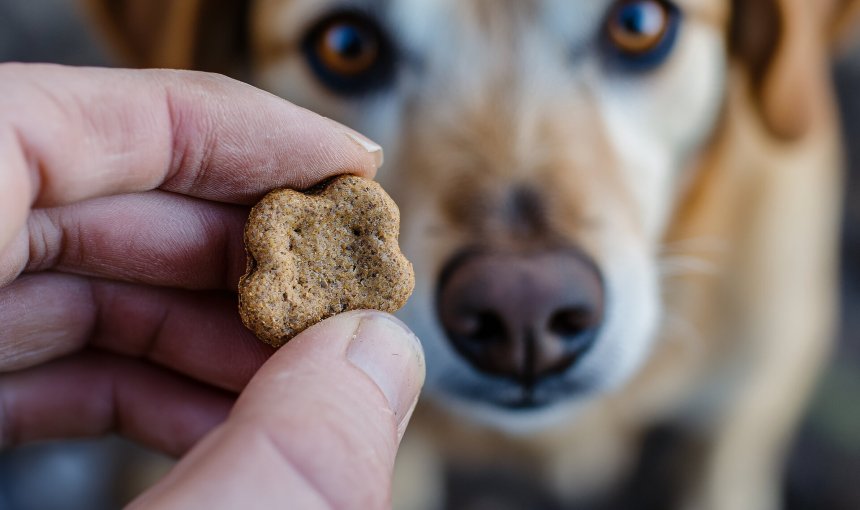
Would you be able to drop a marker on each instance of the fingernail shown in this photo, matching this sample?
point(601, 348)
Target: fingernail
point(387, 351)
point(370, 146)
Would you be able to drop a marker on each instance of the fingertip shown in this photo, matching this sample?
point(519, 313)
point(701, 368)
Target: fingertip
point(387, 351)
point(378, 344)
point(322, 418)
point(281, 144)
point(373, 150)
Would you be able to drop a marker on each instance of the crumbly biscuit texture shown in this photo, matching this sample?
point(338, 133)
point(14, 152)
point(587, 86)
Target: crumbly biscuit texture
point(316, 254)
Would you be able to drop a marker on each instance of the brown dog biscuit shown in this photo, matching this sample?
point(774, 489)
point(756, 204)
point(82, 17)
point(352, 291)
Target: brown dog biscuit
point(316, 254)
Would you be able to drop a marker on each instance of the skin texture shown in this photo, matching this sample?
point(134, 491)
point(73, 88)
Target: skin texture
point(120, 244)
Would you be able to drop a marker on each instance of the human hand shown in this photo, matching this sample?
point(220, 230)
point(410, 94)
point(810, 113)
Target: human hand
point(123, 196)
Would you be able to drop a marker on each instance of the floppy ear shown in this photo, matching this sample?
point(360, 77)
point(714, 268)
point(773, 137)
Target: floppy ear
point(845, 22)
point(208, 35)
point(785, 46)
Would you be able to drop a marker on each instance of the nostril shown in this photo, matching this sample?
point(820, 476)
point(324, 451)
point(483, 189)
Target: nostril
point(571, 323)
point(483, 326)
point(490, 327)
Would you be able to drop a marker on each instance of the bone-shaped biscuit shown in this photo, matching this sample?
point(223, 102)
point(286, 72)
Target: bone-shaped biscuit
point(315, 254)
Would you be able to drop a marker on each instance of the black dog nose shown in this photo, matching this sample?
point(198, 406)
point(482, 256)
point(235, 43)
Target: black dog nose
point(521, 316)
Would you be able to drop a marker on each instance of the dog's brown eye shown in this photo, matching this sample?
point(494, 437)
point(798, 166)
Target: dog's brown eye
point(347, 47)
point(638, 26)
point(639, 35)
point(350, 53)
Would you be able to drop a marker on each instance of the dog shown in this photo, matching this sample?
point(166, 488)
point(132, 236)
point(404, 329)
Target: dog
point(621, 213)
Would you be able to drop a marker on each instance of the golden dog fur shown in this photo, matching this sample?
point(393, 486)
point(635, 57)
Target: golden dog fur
point(748, 238)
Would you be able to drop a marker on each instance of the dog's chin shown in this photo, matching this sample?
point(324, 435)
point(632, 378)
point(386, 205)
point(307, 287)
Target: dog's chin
point(514, 410)
point(516, 417)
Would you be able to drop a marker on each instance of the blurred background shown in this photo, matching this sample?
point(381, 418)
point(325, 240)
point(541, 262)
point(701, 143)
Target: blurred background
point(824, 471)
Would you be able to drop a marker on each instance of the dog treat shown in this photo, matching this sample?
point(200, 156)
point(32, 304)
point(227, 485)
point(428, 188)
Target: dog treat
point(315, 254)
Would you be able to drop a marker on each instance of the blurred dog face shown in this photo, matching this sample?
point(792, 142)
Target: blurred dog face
point(536, 149)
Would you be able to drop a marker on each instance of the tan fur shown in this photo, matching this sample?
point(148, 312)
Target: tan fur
point(746, 233)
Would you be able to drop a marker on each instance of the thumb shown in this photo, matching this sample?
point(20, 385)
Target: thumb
point(317, 427)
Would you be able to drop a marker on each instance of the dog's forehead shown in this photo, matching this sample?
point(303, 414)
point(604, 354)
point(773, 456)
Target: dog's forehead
point(421, 23)
point(421, 20)
point(425, 25)
point(446, 26)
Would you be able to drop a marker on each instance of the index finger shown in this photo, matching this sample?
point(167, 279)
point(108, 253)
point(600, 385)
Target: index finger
point(68, 134)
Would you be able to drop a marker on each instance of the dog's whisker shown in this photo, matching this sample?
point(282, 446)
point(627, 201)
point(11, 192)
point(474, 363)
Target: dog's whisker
point(687, 265)
point(706, 244)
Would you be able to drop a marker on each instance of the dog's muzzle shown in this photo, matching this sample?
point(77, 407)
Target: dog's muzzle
point(521, 317)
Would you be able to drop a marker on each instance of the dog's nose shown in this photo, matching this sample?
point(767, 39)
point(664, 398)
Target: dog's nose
point(521, 316)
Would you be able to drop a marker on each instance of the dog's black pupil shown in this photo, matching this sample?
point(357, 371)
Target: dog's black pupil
point(642, 18)
point(347, 41)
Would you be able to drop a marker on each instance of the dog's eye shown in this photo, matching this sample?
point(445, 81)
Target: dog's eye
point(349, 53)
point(346, 47)
point(643, 32)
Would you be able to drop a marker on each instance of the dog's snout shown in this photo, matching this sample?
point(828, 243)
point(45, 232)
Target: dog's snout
point(521, 316)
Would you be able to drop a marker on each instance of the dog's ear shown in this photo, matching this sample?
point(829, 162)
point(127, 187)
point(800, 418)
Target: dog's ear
point(785, 46)
point(845, 23)
point(210, 35)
